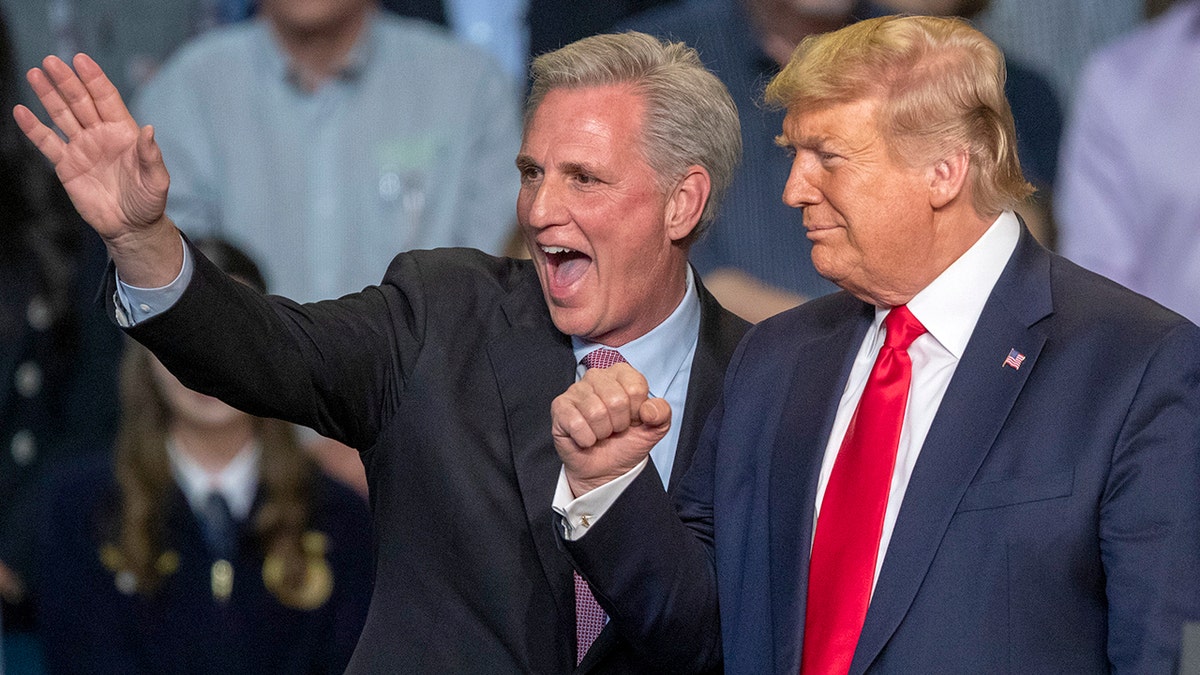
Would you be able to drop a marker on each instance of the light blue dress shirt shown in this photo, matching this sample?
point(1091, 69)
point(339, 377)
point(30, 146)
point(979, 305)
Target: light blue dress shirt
point(411, 146)
point(499, 26)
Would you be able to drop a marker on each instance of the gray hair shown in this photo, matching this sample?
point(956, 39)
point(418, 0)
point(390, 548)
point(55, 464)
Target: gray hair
point(690, 117)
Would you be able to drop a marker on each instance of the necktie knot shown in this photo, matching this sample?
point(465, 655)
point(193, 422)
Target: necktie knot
point(902, 328)
point(602, 358)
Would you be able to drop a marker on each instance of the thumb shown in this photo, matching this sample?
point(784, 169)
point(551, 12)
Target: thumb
point(655, 413)
point(149, 154)
point(145, 194)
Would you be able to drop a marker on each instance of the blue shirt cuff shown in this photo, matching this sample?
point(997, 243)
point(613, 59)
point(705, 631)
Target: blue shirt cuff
point(135, 305)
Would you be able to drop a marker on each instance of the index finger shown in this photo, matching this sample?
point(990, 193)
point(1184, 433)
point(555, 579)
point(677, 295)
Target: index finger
point(635, 385)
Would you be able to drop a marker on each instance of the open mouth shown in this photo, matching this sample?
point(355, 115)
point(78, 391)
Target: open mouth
point(565, 265)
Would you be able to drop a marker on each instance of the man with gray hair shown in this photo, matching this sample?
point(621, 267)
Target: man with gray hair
point(442, 375)
point(977, 458)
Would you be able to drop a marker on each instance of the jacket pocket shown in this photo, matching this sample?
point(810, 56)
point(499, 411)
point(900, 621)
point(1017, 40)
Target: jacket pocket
point(1021, 490)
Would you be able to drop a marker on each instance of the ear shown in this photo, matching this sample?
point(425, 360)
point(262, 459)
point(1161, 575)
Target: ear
point(686, 202)
point(948, 178)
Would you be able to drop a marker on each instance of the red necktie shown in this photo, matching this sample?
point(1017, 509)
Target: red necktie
point(846, 545)
point(589, 615)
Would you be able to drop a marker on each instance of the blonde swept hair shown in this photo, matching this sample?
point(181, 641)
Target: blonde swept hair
point(690, 119)
point(941, 87)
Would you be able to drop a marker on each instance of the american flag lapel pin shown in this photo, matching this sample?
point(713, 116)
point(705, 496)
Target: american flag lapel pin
point(1014, 359)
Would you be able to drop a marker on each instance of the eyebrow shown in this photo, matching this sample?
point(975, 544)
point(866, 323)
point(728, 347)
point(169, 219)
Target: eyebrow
point(576, 168)
point(807, 142)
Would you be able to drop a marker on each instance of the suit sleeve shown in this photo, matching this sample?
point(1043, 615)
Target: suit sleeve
point(1150, 512)
point(336, 366)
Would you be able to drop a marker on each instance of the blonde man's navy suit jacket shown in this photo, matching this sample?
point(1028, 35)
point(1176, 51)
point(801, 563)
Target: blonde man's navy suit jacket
point(442, 376)
point(1050, 523)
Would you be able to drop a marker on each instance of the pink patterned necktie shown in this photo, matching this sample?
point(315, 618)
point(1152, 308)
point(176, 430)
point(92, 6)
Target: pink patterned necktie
point(602, 358)
point(846, 544)
point(589, 615)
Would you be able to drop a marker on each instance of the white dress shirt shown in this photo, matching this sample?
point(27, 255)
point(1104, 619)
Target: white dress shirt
point(949, 308)
point(237, 481)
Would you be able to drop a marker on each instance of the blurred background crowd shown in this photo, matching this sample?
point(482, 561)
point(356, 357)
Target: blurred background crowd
point(308, 142)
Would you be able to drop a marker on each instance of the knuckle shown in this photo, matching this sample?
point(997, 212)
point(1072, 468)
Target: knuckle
point(616, 401)
point(576, 425)
point(594, 409)
point(638, 389)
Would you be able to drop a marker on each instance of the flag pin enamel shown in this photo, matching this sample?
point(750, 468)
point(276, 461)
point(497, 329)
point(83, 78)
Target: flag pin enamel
point(1013, 360)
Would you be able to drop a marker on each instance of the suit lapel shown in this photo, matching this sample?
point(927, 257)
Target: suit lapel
point(973, 410)
point(818, 380)
point(533, 363)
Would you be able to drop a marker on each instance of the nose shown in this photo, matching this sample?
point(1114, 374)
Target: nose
point(801, 189)
point(544, 204)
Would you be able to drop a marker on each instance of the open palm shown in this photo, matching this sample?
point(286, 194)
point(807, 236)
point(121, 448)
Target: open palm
point(112, 169)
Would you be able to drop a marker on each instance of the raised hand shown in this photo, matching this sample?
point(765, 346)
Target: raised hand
point(112, 169)
point(605, 424)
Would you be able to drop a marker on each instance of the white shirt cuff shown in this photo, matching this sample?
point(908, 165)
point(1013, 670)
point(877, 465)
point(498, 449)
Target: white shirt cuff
point(134, 305)
point(580, 513)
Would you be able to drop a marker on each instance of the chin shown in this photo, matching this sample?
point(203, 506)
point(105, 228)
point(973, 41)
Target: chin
point(214, 416)
point(824, 268)
point(569, 321)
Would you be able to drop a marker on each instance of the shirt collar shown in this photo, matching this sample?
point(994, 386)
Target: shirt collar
point(276, 60)
point(659, 354)
point(950, 306)
point(237, 482)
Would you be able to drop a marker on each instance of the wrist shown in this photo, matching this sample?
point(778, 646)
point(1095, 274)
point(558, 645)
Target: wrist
point(581, 486)
point(148, 258)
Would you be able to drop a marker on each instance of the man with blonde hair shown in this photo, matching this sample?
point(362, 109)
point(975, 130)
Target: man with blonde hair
point(443, 374)
point(979, 457)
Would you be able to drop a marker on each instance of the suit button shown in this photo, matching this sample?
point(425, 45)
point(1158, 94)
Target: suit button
point(38, 314)
point(23, 447)
point(126, 582)
point(28, 379)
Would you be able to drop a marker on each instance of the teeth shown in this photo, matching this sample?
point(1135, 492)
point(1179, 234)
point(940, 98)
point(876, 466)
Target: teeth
point(556, 249)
